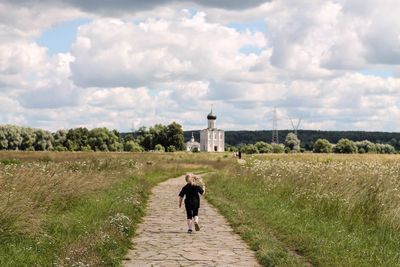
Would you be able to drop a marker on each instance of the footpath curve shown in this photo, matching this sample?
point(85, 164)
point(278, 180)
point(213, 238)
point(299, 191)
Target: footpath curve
point(162, 239)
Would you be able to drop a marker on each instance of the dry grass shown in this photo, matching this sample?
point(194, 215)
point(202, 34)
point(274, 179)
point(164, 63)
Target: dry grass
point(80, 208)
point(335, 210)
point(363, 186)
point(29, 189)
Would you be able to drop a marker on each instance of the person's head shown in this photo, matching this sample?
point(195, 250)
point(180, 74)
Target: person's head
point(188, 178)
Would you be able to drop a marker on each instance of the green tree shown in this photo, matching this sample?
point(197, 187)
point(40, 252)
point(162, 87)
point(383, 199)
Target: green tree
point(292, 143)
point(278, 148)
point(132, 146)
point(159, 148)
point(77, 138)
point(174, 134)
point(231, 148)
point(322, 146)
point(171, 148)
point(263, 147)
point(146, 140)
point(163, 135)
point(345, 146)
point(13, 136)
point(159, 134)
point(101, 139)
point(3, 138)
point(365, 147)
point(60, 139)
point(385, 149)
point(98, 139)
point(129, 137)
point(249, 149)
point(28, 139)
point(44, 140)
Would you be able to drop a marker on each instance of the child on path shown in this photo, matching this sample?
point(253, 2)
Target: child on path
point(191, 192)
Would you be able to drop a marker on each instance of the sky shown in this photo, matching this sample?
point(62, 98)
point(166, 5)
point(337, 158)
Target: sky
point(123, 64)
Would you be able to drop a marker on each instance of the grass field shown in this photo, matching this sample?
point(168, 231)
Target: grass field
point(324, 210)
point(79, 209)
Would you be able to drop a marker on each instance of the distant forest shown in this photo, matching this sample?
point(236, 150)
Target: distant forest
point(307, 137)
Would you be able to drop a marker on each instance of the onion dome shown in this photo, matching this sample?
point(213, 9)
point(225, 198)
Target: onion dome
point(211, 115)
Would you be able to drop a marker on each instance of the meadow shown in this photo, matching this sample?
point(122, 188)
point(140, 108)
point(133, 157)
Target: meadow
point(307, 209)
point(79, 209)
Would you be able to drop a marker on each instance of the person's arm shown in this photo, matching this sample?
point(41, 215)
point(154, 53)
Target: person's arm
point(181, 195)
point(202, 189)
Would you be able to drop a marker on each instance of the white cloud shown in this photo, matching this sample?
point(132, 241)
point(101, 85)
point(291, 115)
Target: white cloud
point(120, 98)
point(159, 51)
point(27, 20)
point(315, 60)
point(19, 62)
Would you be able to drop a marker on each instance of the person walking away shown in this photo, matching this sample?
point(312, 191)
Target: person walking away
point(191, 193)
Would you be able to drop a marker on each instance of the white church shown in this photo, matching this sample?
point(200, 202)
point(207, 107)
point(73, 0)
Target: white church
point(212, 139)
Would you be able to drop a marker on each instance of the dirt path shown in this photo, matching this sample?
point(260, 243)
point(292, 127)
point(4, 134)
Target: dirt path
point(162, 239)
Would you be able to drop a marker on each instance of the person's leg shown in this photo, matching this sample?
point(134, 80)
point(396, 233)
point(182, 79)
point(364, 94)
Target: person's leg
point(189, 216)
point(189, 223)
point(196, 219)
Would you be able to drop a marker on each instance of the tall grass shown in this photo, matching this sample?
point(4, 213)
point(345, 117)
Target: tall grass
point(79, 209)
point(327, 210)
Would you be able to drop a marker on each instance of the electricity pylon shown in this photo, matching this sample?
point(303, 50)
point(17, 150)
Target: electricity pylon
point(275, 134)
point(295, 127)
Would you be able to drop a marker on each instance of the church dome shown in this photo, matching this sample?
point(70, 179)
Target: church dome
point(211, 116)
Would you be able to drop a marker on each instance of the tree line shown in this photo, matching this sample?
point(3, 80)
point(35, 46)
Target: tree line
point(292, 145)
point(171, 138)
point(158, 138)
point(307, 137)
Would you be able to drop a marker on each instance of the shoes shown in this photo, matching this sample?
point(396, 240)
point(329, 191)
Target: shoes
point(196, 226)
point(190, 231)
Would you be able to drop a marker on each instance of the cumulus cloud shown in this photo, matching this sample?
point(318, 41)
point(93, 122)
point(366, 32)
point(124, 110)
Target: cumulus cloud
point(159, 51)
point(159, 61)
point(22, 20)
point(124, 6)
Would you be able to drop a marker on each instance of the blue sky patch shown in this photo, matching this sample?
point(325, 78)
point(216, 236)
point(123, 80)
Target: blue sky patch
point(59, 38)
point(255, 26)
point(378, 73)
point(250, 49)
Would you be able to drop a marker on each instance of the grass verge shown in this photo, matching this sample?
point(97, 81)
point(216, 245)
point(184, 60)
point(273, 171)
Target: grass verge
point(325, 213)
point(76, 211)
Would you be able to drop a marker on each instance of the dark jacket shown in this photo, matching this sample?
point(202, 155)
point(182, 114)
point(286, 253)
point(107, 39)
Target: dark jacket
point(191, 193)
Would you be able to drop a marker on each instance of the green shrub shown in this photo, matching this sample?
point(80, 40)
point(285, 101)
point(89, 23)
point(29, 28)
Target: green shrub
point(345, 146)
point(132, 146)
point(278, 148)
point(159, 148)
point(249, 149)
point(292, 143)
point(263, 147)
point(171, 148)
point(322, 146)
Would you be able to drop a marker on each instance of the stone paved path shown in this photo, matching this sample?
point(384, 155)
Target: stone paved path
point(162, 239)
